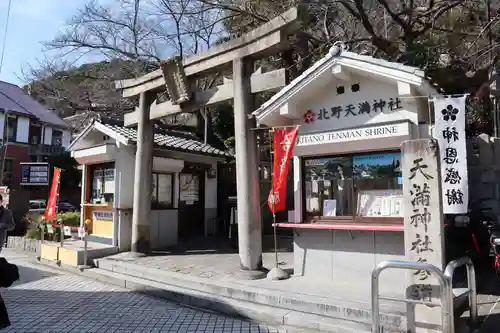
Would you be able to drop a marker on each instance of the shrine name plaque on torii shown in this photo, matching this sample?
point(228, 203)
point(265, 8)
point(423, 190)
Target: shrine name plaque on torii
point(176, 76)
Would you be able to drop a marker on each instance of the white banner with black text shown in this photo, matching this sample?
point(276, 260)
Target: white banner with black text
point(449, 131)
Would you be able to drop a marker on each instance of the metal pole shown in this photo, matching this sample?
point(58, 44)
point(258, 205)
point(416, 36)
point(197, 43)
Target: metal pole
point(42, 233)
point(85, 259)
point(447, 324)
point(471, 282)
point(271, 153)
point(62, 233)
point(85, 249)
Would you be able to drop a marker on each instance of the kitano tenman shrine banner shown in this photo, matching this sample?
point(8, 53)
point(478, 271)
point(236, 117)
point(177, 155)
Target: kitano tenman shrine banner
point(283, 144)
point(51, 210)
point(449, 131)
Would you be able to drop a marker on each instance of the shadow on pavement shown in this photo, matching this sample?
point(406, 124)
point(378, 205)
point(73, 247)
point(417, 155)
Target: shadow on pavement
point(28, 275)
point(221, 246)
point(69, 311)
point(43, 301)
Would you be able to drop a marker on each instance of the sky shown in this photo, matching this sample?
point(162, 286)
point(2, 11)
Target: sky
point(31, 23)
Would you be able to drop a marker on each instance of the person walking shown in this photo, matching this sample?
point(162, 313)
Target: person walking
point(9, 272)
point(6, 223)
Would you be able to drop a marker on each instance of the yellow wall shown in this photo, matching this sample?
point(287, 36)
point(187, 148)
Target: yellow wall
point(98, 227)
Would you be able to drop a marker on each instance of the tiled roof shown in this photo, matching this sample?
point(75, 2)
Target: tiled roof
point(15, 99)
point(174, 142)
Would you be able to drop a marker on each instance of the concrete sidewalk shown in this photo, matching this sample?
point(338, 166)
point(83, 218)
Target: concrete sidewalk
point(489, 313)
point(208, 281)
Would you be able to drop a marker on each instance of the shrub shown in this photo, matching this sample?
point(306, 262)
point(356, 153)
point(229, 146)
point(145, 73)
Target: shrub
point(70, 219)
point(33, 232)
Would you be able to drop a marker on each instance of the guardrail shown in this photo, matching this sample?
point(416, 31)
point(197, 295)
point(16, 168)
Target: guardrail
point(446, 294)
point(471, 283)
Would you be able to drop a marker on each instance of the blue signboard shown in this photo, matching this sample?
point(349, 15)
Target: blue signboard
point(34, 174)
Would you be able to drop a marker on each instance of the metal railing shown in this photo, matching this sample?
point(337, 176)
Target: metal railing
point(446, 294)
point(471, 283)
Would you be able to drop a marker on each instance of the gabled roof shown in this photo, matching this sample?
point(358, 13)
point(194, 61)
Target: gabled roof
point(14, 99)
point(338, 55)
point(128, 136)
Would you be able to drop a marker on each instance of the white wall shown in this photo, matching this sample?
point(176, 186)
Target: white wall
point(124, 197)
point(163, 224)
point(370, 90)
point(2, 120)
point(47, 136)
point(66, 138)
point(23, 129)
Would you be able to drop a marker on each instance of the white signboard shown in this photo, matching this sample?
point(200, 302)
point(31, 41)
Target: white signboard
point(355, 134)
point(81, 232)
point(102, 215)
point(423, 224)
point(329, 207)
point(449, 131)
point(67, 231)
point(381, 203)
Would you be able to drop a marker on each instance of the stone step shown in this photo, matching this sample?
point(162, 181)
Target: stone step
point(294, 321)
point(351, 313)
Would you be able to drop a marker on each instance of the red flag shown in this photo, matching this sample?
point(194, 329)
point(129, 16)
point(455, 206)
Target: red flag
point(51, 210)
point(283, 143)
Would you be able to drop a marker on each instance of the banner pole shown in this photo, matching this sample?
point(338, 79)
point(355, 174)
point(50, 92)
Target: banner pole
point(276, 273)
point(271, 144)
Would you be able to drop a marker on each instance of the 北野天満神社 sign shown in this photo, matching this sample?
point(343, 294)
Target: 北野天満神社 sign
point(373, 132)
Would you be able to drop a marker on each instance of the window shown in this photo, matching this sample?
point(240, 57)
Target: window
point(103, 183)
point(35, 134)
point(356, 185)
point(11, 128)
point(7, 170)
point(162, 196)
point(56, 138)
point(7, 166)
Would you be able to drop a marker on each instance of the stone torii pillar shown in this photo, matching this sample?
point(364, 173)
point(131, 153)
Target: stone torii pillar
point(178, 76)
point(141, 214)
point(247, 176)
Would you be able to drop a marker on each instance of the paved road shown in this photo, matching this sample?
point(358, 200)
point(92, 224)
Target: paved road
point(47, 300)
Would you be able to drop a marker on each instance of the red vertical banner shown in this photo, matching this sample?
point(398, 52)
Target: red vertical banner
point(51, 210)
point(283, 143)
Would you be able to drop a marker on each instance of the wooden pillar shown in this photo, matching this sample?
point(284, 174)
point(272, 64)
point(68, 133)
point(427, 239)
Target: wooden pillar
point(247, 176)
point(141, 215)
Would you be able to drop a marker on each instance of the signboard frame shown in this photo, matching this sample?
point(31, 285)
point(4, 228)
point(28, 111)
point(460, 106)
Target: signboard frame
point(29, 165)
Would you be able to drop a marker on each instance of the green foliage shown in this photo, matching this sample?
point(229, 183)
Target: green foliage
point(71, 219)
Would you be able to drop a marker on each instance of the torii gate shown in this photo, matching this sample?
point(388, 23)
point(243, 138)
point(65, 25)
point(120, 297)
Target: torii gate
point(175, 76)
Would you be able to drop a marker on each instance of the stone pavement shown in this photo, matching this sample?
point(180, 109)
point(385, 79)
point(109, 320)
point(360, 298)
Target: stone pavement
point(50, 300)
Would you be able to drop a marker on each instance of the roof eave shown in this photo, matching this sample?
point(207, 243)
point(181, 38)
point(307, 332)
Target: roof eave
point(109, 132)
point(294, 87)
point(82, 134)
